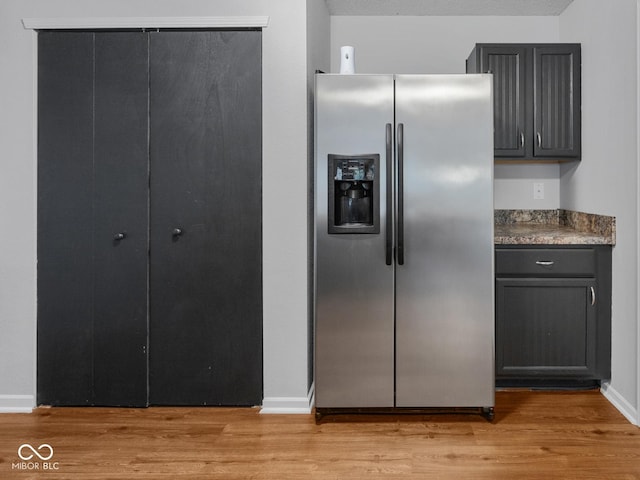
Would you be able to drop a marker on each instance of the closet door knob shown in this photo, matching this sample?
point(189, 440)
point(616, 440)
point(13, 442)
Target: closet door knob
point(176, 232)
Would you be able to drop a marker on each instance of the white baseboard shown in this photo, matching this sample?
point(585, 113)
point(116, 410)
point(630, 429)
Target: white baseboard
point(620, 403)
point(17, 403)
point(289, 405)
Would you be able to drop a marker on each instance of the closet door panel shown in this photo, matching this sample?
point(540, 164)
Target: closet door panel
point(65, 218)
point(206, 289)
point(92, 185)
point(121, 218)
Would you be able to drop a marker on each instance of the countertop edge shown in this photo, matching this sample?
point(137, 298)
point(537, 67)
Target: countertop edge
point(553, 227)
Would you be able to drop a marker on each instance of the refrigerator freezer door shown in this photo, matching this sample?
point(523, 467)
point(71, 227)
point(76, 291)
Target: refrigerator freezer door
point(354, 364)
point(444, 289)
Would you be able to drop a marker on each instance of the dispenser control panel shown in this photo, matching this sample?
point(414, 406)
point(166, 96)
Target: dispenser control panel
point(355, 169)
point(354, 196)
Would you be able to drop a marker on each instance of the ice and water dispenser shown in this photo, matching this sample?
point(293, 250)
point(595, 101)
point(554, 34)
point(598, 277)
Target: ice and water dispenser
point(354, 193)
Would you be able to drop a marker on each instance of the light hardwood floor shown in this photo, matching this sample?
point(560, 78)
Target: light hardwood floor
point(535, 435)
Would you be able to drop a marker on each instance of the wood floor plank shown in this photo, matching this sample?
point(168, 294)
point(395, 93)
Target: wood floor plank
point(535, 435)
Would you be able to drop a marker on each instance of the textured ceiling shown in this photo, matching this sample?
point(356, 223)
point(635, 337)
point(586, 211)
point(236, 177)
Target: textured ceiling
point(447, 7)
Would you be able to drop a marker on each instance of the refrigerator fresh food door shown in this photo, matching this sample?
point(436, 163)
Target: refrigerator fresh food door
point(444, 289)
point(354, 360)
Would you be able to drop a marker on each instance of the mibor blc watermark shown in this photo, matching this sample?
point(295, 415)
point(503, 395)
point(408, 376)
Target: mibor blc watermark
point(35, 458)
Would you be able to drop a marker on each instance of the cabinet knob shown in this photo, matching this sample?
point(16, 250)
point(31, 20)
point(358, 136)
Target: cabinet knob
point(176, 232)
point(120, 236)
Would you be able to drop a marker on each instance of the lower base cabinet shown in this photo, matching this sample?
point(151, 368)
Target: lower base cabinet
point(553, 316)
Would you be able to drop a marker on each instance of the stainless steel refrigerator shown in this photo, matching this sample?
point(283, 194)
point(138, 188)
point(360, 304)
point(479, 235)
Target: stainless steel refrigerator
point(404, 286)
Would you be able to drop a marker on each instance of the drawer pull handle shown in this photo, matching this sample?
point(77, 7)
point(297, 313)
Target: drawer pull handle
point(544, 263)
point(593, 296)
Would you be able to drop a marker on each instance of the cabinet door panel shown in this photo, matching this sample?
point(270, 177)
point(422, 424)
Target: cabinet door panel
point(557, 101)
point(205, 291)
point(545, 327)
point(507, 63)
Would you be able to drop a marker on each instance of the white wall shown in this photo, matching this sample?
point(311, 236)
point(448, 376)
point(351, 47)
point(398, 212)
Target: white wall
point(284, 157)
point(441, 45)
point(318, 58)
point(398, 44)
point(513, 186)
point(17, 209)
point(606, 181)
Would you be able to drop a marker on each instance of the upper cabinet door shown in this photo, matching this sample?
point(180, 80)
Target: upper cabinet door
point(557, 100)
point(507, 64)
point(536, 89)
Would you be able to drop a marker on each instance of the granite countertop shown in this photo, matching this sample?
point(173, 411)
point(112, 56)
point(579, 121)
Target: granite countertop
point(553, 227)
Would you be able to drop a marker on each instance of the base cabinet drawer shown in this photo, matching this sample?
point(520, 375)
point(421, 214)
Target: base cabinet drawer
point(553, 329)
point(546, 262)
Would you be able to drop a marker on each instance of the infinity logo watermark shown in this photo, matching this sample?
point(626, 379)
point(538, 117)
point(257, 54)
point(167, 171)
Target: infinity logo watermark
point(44, 458)
point(27, 453)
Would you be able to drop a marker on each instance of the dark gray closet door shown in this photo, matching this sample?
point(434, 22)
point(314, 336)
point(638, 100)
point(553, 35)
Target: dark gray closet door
point(65, 219)
point(92, 174)
point(121, 231)
point(205, 290)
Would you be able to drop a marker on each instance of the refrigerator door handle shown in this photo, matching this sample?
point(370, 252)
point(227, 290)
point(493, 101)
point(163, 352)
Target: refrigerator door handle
point(401, 194)
point(389, 224)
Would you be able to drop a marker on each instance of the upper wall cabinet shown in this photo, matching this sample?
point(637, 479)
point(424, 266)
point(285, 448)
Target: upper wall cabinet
point(536, 99)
